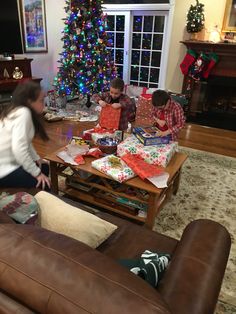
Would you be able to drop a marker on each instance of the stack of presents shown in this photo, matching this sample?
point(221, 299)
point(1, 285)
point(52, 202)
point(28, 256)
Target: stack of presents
point(140, 153)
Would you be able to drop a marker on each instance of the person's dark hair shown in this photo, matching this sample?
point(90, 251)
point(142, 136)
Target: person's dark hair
point(118, 83)
point(23, 95)
point(160, 98)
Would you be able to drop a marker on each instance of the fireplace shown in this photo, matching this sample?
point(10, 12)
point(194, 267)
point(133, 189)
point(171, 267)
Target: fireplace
point(213, 102)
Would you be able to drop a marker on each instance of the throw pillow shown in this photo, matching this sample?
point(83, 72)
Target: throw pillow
point(21, 207)
point(60, 217)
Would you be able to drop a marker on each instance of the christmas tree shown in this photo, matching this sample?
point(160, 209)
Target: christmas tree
point(195, 18)
point(86, 66)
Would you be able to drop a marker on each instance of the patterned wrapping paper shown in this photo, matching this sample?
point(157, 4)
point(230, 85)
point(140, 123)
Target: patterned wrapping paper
point(143, 169)
point(157, 155)
point(119, 174)
point(144, 110)
point(110, 118)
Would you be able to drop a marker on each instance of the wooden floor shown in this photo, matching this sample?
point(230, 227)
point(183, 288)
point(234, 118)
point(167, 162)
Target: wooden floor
point(194, 136)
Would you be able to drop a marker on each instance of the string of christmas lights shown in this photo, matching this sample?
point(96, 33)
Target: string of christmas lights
point(86, 65)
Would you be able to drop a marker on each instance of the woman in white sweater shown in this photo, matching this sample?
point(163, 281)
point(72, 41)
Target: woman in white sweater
point(20, 165)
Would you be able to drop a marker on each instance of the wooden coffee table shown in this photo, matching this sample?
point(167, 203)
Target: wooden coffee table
point(99, 185)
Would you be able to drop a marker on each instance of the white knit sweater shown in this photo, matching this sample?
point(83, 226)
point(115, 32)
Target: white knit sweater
point(16, 149)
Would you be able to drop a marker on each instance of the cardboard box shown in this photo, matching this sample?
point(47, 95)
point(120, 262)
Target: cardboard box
point(148, 136)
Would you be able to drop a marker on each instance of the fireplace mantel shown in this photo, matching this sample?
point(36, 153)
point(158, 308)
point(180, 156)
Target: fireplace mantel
point(212, 101)
point(226, 65)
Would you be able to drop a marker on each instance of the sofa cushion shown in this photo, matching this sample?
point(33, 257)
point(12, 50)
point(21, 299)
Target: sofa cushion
point(60, 217)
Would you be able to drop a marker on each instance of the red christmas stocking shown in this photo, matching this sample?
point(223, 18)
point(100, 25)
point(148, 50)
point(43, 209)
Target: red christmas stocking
point(188, 60)
point(196, 70)
point(213, 60)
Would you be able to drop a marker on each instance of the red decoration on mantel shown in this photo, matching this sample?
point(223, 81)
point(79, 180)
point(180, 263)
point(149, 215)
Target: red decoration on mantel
point(110, 118)
point(141, 167)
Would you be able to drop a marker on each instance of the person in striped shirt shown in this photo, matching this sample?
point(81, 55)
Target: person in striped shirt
point(168, 114)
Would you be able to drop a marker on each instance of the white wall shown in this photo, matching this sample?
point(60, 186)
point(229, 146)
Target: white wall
point(214, 13)
point(45, 64)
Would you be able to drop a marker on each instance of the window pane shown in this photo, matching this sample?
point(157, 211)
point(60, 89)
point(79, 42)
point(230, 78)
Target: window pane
point(120, 70)
point(134, 73)
point(110, 22)
point(120, 40)
point(110, 39)
point(156, 59)
point(120, 23)
point(159, 24)
point(148, 21)
point(154, 75)
point(137, 24)
point(153, 85)
point(119, 56)
point(135, 57)
point(145, 58)
point(157, 42)
point(144, 74)
point(147, 41)
point(143, 84)
point(112, 53)
point(136, 43)
point(133, 83)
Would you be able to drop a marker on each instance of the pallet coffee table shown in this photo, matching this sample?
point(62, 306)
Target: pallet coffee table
point(96, 188)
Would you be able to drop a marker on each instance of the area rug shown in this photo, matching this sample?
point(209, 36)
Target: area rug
point(207, 190)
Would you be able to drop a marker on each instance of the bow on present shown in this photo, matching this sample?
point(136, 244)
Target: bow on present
point(141, 167)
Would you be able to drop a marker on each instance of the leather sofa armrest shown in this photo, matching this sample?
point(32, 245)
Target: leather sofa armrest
point(193, 280)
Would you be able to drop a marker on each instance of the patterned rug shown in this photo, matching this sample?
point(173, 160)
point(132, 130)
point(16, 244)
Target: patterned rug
point(207, 190)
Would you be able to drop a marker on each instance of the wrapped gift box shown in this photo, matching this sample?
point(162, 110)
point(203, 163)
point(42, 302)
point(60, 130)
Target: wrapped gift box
point(144, 110)
point(119, 172)
point(157, 155)
point(147, 136)
point(97, 133)
point(110, 118)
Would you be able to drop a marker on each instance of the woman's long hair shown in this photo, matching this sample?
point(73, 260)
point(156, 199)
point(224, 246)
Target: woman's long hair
point(23, 95)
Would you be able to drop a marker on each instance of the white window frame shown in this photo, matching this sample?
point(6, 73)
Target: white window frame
point(167, 9)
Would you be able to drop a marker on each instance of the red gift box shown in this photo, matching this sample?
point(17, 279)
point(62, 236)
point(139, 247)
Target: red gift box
point(144, 114)
point(110, 118)
point(141, 167)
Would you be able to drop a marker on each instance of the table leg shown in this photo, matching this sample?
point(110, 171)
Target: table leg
point(151, 211)
point(54, 176)
point(176, 182)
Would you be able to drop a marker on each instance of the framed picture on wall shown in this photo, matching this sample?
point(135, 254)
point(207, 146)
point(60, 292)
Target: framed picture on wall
point(34, 25)
point(229, 23)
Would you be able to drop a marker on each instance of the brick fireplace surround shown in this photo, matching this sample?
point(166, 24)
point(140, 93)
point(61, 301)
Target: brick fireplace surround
point(213, 102)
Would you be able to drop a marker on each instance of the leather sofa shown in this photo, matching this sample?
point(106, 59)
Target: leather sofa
point(45, 272)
